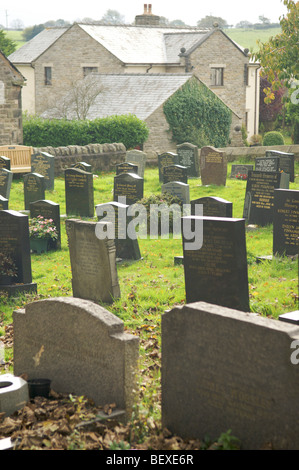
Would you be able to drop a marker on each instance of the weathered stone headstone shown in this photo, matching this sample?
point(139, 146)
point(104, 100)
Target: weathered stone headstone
point(240, 372)
point(138, 158)
point(213, 206)
point(126, 167)
point(166, 159)
point(48, 210)
point(213, 166)
point(34, 188)
point(3, 203)
point(14, 240)
point(79, 192)
point(82, 166)
point(6, 177)
point(43, 164)
point(267, 164)
point(116, 214)
point(217, 272)
point(93, 263)
point(5, 163)
point(180, 190)
point(175, 173)
point(286, 162)
point(259, 196)
point(81, 347)
point(286, 222)
point(188, 157)
point(240, 170)
point(128, 185)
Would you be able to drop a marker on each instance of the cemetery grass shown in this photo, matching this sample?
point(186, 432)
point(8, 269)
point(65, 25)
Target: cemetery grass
point(149, 287)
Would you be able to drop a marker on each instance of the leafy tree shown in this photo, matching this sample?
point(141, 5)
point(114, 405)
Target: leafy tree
point(208, 22)
point(113, 17)
point(270, 111)
point(30, 32)
point(7, 46)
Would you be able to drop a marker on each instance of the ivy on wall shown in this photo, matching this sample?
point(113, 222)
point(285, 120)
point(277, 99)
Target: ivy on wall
point(196, 115)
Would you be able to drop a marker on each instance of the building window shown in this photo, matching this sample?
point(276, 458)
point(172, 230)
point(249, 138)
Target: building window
point(48, 75)
point(217, 76)
point(89, 70)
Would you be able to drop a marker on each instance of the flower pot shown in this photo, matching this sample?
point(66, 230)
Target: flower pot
point(39, 387)
point(39, 245)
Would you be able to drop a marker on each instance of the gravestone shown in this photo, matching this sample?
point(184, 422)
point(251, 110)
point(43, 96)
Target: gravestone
point(240, 372)
point(48, 210)
point(286, 162)
point(5, 163)
point(82, 166)
point(166, 159)
point(213, 166)
point(138, 158)
point(43, 164)
point(188, 157)
point(240, 170)
point(259, 196)
point(180, 190)
point(93, 263)
point(217, 272)
point(175, 173)
point(14, 240)
point(81, 347)
point(116, 214)
point(286, 222)
point(79, 192)
point(6, 177)
point(267, 164)
point(3, 203)
point(126, 167)
point(213, 206)
point(34, 188)
point(128, 185)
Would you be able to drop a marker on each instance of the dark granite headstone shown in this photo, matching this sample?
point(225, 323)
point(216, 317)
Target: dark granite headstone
point(116, 213)
point(5, 163)
point(213, 166)
point(43, 164)
point(128, 185)
point(5, 182)
point(217, 272)
point(79, 192)
point(286, 162)
point(188, 157)
point(213, 207)
point(126, 167)
point(48, 210)
point(259, 196)
point(82, 166)
point(3, 204)
point(175, 173)
point(180, 190)
point(240, 170)
point(267, 164)
point(34, 188)
point(14, 240)
point(286, 222)
point(166, 159)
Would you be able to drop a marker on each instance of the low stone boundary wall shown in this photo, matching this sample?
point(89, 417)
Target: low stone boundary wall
point(101, 157)
point(234, 153)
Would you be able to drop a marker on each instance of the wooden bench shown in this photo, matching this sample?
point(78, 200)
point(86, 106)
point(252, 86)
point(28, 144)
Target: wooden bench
point(20, 157)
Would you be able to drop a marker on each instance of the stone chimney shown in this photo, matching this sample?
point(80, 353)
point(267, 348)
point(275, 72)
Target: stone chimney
point(147, 18)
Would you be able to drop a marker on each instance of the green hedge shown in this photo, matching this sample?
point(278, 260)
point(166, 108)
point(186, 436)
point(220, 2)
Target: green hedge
point(126, 129)
point(273, 138)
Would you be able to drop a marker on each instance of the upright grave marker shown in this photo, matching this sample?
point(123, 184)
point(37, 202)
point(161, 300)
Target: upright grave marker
point(138, 158)
point(166, 159)
point(126, 167)
point(267, 164)
point(240, 171)
point(128, 185)
point(213, 206)
point(217, 272)
point(5, 163)
point(82, 166)
point(286, 162)
point(6, 177)
point(3, 203)
point(175, 173)
point(213, 166)
point(43, 164)
point(34, 188)
point(180, 190)
point(259, 196)
point(188, 157)
point(79, 192)
point(93, 263)
point(48, 210)
point(286, 222)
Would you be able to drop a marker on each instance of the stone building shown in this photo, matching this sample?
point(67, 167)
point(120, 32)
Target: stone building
point(11, 82)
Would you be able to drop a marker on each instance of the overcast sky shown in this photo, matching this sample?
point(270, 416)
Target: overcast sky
point(32, 12)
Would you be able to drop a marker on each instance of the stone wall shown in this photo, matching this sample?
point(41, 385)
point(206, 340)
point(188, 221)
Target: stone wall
point(234, 153)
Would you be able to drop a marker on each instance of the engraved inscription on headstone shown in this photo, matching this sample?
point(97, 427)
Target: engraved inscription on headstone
point(79, 192)
point(286, 222)
point(267, 164)
point(166, 159)
point(126, 167)
point(43, 164)
point(188, 157)
point(82, 166)
point(128, 185)
point(213, 166)
point(5, 163)
point(34, 188)
point(213, 207)
point(175, 173)
point(286, 162)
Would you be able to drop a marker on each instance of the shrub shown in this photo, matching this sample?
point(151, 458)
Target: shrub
point(296, 130)
point(160, 199)
point(273, 138)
